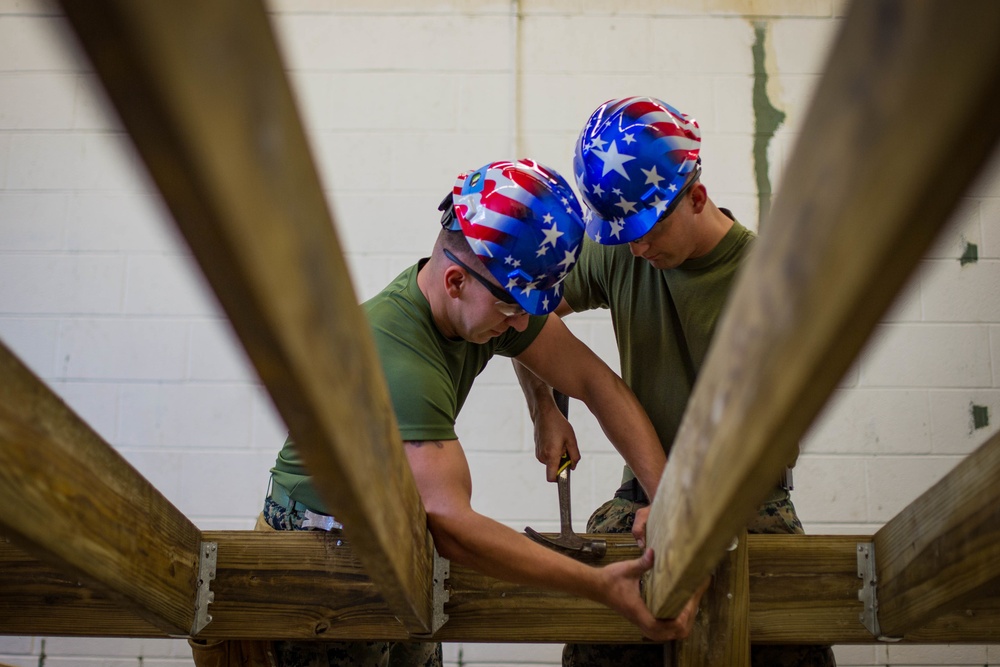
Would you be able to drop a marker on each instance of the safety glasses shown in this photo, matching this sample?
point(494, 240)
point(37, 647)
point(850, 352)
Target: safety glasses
point(506, 304)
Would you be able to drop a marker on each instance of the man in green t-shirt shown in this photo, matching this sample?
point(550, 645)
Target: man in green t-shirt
point(662, 258)
point(511, 232)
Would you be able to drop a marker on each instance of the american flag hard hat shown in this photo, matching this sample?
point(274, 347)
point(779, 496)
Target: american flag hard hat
point(632, 158)
point(525, 225)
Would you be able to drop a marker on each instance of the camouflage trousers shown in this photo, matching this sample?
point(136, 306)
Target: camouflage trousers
point(776, 516)
point(343, 654)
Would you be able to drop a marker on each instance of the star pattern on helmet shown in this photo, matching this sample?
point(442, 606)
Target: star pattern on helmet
point(652, 178)
point(551, 235)
point(659, 204)
point(613, 160)
point(568, 259)
point(617, 225)
point(625, 205)
point(597, 143)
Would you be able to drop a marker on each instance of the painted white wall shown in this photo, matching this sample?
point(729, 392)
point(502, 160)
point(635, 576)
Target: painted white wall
point(101, 298)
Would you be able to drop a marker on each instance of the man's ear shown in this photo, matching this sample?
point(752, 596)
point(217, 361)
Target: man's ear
point(699, 196)
point(454, 280)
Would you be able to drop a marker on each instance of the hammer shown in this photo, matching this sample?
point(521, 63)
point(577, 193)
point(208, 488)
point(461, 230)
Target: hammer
point(568, 542)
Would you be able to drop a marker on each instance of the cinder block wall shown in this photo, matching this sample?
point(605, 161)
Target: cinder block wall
point(102, 299)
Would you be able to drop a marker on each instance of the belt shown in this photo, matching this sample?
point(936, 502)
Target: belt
point(310, 519)
point(632, 490)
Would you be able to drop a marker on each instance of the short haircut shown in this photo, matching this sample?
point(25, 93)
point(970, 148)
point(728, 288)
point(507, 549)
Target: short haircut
point(456, 243)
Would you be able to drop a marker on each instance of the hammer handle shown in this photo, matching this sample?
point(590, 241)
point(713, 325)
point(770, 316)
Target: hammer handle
point(562, 482)
point(562, 402)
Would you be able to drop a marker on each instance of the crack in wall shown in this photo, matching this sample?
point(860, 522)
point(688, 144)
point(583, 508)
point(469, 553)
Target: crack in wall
point(767, 120)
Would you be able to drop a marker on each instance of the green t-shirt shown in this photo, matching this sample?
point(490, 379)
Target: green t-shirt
point(653, 360)
point(429, 377)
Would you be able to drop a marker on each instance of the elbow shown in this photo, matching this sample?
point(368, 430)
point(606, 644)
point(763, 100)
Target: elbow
point(447, 538)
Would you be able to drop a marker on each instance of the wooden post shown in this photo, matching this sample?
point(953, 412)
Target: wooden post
point(803, 589)
point(943, 550)
point(909, 84)
point(201, 89)
point(73, 501)
point(721, 636)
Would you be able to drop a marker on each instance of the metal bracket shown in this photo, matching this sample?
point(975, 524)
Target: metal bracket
point(204, 597)
point(868, 594)
point(442, 572)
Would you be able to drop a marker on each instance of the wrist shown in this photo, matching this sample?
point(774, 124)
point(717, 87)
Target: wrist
point(543, 406)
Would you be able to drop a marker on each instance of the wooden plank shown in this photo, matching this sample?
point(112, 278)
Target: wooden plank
point(908, 84)
point(73, 501)
point(721, 635)
point(802, 589)
point(201, 89)
point(943, 550)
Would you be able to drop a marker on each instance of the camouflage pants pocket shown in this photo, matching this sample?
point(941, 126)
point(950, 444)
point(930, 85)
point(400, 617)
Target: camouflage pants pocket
point(615, 516)
point(776, 517)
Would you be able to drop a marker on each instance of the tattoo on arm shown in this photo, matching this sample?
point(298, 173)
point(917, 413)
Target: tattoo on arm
point(421, 443)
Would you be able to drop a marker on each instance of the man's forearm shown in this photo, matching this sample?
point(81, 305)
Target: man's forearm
point(537, 393)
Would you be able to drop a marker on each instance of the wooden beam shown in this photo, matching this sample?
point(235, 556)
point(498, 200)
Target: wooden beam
point(909, 84)
point(74, 502)
point(802, 589)
point(721, 635)
point(943, 550)
point(201, 89)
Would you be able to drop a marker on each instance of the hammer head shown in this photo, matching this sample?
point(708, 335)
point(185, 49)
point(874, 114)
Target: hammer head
point(571, 545)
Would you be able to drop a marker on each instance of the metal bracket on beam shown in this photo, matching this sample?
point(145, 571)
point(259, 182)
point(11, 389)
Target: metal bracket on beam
point(442, 572)
point(204, 596)
point(868, 594)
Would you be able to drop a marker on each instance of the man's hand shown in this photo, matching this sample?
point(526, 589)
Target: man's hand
point(553, 436)
point(623, 587)
point(639, 526)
